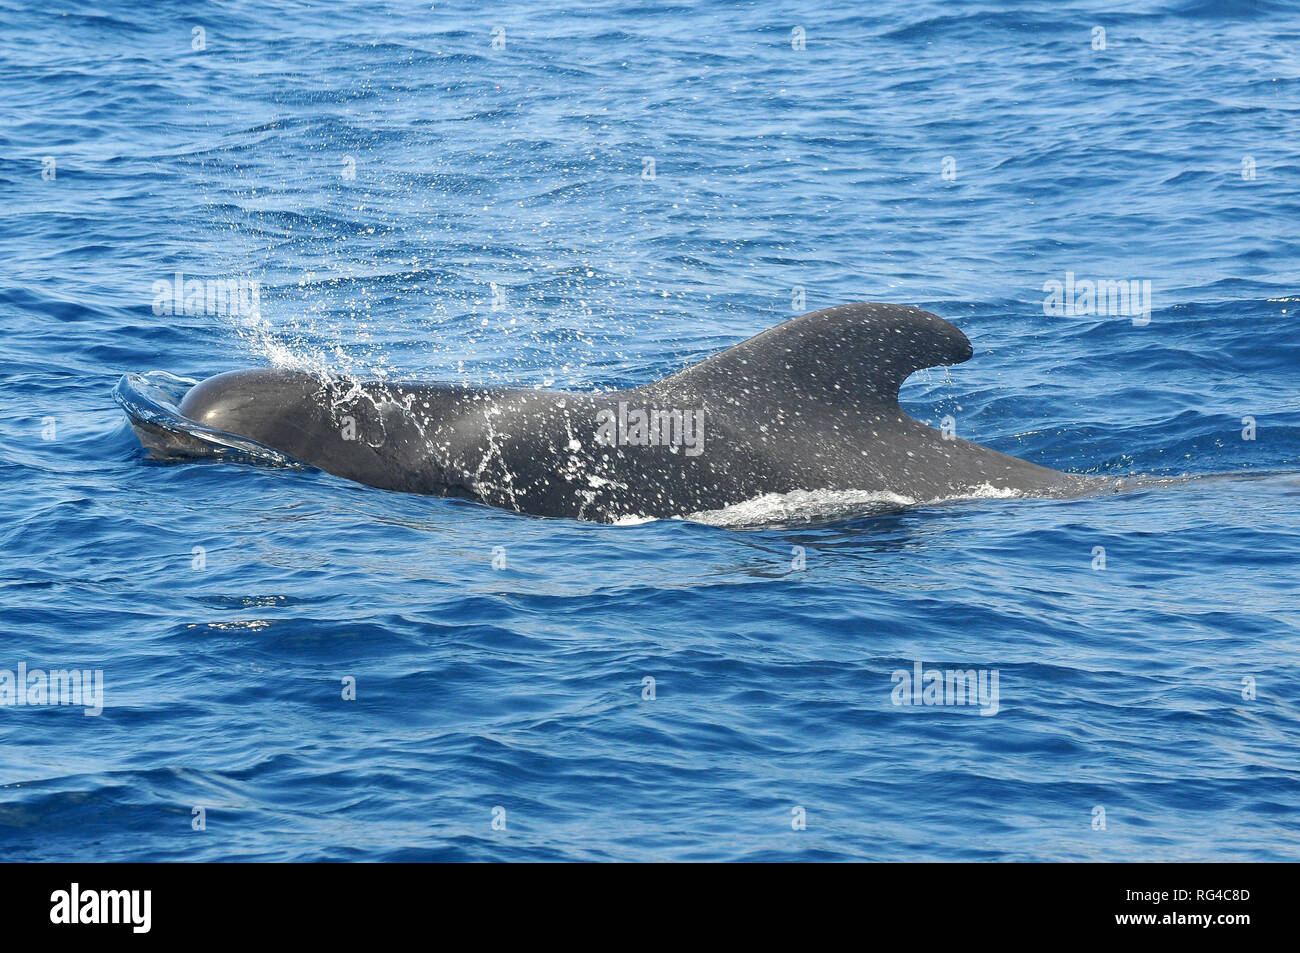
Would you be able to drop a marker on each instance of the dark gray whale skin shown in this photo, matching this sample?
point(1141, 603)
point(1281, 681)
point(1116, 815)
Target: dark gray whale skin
point(811, 404)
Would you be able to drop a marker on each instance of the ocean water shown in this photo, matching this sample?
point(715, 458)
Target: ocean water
point(519, 193)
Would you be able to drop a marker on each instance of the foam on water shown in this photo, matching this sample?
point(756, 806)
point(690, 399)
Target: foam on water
point(801, 506)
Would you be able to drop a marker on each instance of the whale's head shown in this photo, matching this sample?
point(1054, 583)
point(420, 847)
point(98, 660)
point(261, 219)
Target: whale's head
point(360, 432)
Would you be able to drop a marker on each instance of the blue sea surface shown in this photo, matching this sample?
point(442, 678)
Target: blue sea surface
point(540, 195)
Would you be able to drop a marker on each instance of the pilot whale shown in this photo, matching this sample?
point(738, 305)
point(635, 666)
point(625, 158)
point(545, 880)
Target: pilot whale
point(811, 404)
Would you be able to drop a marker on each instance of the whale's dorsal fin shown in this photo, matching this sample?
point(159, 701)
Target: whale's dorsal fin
point(852, 353)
